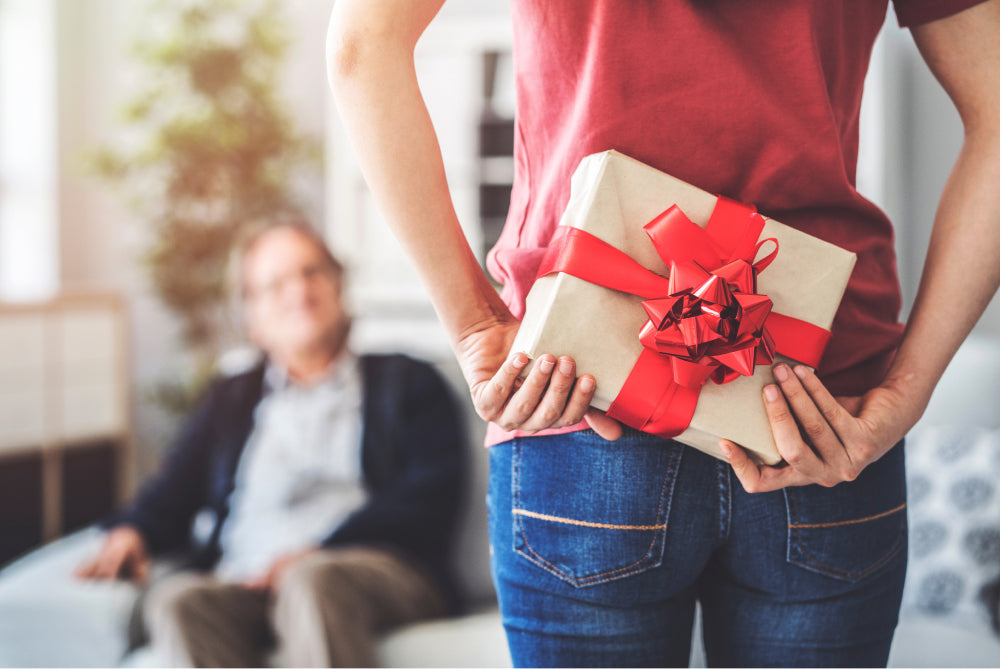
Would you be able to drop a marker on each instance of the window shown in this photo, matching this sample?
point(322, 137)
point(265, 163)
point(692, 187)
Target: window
point(28, 158)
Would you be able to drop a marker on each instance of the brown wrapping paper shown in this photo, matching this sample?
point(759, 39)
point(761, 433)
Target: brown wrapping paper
point(613, 197)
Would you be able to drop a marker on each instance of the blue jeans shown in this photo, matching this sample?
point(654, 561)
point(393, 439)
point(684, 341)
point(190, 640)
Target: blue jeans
point(600, 550)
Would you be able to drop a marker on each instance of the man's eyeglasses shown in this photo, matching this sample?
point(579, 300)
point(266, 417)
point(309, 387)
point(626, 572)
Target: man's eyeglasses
point(310, 274)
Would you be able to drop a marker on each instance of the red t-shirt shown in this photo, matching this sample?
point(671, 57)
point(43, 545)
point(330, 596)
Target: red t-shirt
point(758, 101)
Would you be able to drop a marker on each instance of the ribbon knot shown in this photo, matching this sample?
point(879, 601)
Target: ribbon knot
point(712, 324)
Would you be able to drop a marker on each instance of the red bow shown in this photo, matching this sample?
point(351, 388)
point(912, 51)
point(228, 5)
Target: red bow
point(711, 323)
point(702, 323)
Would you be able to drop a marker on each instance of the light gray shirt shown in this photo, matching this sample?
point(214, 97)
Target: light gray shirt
point(300, 474)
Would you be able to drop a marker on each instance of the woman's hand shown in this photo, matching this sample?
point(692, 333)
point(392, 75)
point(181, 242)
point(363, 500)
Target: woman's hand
point(823, 439)
point(550, 396)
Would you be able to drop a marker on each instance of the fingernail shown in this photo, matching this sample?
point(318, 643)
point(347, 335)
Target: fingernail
point(726, 450)
point(546, 365)
point(801, 371)
point(771, 392)
point(586, 384)
point(781, 372)
point(519, 360)
point(565, 366)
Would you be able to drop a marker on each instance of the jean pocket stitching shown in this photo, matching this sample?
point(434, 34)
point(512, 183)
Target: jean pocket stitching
point(593, 579)
point(662, 516)
point(584, 523)
point(848, 574)
point(818, 565)
point(853, 521)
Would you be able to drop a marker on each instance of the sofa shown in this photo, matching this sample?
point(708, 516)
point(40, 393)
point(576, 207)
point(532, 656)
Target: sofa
point(48, 619)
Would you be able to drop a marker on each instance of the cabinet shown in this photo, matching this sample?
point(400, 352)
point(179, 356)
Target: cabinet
point(64, 419)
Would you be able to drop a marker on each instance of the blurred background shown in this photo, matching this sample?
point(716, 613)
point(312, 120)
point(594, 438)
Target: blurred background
point(137, 136)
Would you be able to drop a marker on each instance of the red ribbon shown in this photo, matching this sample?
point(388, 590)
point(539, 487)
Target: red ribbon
point(703, 323)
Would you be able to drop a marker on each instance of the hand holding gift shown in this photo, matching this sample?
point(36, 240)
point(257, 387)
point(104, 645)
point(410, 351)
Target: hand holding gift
point(652, 342)
point(550, 396)
point(824, 439)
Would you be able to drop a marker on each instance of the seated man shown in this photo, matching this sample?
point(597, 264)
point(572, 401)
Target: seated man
point(333, 480)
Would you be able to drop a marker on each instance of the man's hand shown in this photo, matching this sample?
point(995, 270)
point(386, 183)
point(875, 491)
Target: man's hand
point(123, 555)
point(822, 439)
point(269, 579)
point(550, 396)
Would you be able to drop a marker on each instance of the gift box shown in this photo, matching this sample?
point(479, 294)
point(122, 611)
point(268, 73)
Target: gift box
point(677, 301)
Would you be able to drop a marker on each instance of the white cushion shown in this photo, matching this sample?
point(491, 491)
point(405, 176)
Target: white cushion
point(953, 479)
point(474, 640)
point(926, 642)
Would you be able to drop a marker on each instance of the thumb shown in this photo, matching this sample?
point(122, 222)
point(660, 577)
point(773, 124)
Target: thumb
point(600, 423)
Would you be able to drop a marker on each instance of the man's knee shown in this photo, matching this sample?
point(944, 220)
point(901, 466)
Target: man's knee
point(311, 577)
point(323, 587)
point(173, 601)
point(368, 587)
point(322, 612)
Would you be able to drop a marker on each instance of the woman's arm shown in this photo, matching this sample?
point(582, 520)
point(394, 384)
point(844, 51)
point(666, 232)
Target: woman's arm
point(961, 274)
point(370, 47)
point(370, 64)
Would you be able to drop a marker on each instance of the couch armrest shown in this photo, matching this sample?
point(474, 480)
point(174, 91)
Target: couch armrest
point(49, 618)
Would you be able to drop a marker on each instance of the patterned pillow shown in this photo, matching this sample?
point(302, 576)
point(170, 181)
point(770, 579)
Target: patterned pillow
point(953, 475)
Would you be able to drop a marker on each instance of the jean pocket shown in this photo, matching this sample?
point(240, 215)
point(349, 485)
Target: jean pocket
point(852, 530)
point(590, 511)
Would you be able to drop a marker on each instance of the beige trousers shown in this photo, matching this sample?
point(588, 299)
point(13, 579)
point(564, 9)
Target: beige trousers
point(326, 612)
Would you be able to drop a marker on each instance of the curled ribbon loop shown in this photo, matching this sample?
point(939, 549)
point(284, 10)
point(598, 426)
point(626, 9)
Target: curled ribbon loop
point(762, 264)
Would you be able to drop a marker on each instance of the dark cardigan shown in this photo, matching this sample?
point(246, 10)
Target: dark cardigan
point(412, 458)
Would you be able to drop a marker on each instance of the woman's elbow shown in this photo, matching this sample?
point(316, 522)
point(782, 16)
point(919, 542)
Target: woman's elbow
point(355, 52)
point(344, 53)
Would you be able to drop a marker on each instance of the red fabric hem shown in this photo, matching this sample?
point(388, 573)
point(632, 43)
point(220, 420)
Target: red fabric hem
point(497, 435)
